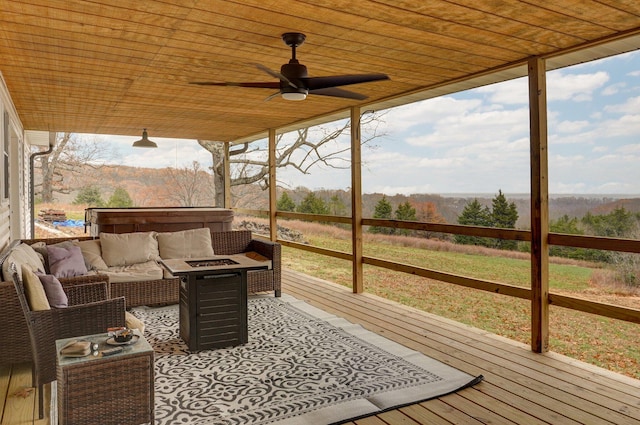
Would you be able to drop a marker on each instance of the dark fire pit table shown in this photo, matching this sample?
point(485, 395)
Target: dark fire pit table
point(213, 299)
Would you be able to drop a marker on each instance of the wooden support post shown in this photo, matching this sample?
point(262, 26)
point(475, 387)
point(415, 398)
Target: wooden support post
point(227, 177)
point(273, 225)
point(356, 200)
point(539, 206)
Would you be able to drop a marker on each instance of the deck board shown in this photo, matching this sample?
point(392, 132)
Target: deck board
point(520, 387)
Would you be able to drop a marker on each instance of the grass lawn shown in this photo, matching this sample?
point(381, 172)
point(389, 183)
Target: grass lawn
point(593, 339)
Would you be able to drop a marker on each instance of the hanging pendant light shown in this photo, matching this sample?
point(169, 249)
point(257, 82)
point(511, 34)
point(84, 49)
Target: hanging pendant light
point(144, 142)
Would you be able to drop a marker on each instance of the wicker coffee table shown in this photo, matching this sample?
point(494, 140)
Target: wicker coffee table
point(116, 389)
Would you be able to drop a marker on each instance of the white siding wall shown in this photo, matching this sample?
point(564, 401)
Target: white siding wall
point(13, 209)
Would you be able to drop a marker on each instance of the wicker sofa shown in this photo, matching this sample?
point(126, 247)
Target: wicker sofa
point(156, 291)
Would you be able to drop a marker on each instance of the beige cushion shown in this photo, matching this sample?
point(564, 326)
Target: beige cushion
point(92, 253)
point(34, 291)
point(6, 271)
point(21, 254)
point(123, 249)
point(41, 249)
point(24, 254)
point(149, 270)
point(132, 322)
point(193, 243)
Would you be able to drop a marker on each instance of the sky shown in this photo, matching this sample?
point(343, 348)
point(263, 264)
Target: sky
point(477, 141)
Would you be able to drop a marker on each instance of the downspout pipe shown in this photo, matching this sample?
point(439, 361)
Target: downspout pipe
point(32, 159)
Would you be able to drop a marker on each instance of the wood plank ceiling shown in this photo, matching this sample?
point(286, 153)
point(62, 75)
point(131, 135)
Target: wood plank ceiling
point(114, 67)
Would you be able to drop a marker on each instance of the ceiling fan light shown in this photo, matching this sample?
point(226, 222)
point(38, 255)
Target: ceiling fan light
point(294, 96)
point(144, 142)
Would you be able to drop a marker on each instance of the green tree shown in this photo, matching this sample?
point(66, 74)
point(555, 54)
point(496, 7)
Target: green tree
point(618, 223)
point(90, 196)
point(311, 204)
point(407, 213)
point(337, 206)
point(474, 214)
point(382, 210)
point(120, 198)
point(504, 215)
point(567, 225)
point(285, 203)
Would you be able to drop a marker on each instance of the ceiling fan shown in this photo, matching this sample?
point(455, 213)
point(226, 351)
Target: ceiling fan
point(294, 82)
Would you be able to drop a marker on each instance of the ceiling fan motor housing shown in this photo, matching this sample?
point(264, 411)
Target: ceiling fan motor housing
point(294, 72)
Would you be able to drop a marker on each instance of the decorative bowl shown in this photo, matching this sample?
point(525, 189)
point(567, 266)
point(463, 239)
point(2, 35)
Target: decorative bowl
point(123, 335)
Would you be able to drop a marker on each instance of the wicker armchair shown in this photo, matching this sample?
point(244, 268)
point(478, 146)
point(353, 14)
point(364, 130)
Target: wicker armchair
point(239, 241)
point(90, 311)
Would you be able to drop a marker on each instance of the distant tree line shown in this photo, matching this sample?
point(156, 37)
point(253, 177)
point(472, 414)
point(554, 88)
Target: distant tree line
point(619, 223)
point(312, 204)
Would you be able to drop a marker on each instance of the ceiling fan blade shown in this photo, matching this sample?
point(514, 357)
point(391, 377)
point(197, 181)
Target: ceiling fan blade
point(276, 94)
point(313, 83)
point(276, 75)
point(266, 85)
point(336, 92)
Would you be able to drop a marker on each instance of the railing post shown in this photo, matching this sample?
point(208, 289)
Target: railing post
point(273, 225)
point(539, 206)
point(356, 200)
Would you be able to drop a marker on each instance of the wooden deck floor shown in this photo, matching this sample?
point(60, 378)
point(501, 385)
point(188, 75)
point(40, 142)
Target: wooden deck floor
point(520, 387)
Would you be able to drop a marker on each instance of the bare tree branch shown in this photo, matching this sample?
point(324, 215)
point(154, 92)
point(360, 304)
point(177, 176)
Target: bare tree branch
point(189, 186)
point(69, 154)
point(304, 152)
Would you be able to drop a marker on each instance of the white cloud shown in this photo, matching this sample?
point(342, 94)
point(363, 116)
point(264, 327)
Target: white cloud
point(630, 149)
point(513, 92)
point(428, 111)
point(613, 89)
point(630, 106)
point(475, 127)
point(560, 86)
point(169, 153)
point(577, 87)
point(571, 126)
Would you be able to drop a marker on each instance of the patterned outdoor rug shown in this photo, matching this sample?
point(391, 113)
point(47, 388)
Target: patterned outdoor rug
point(301, 366)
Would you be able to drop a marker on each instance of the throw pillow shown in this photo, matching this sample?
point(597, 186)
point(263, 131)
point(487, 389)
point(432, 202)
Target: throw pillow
point(6, 266)
point(33, 290)
point(92, 253)
point(193, 243)
point(53, 289)
point(28, 255)
point(124, 249)
point(41, 249)
point(66, 261)
point(132, 322)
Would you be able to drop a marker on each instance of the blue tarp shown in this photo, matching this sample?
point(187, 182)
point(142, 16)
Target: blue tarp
point(69, 223)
